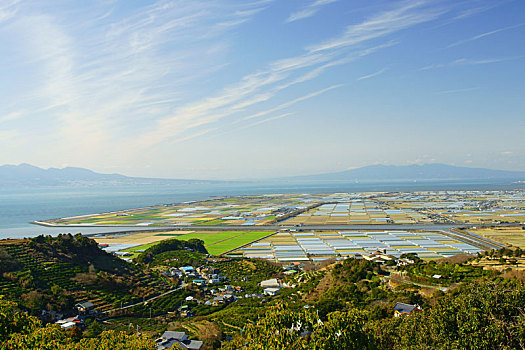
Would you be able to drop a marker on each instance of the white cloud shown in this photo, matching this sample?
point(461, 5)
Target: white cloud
point(309, 10)
point(470, 62)
point(408, 15)
point(292, 102)
point(261, 85)
point(8, 9)
point(101, 90)
point(368, 76)
point(127, 84)
point(486, 34)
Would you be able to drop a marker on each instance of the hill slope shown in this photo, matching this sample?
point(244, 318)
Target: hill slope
point(57, 272)
point(26, 175)
point(413, 172)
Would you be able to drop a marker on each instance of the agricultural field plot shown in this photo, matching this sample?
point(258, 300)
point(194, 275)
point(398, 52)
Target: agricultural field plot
point(518, 264)
point(358, 212)
point(514, 236)
point(322, 245)
point(120, 242)
point(486, 216)
point(243, 210)
point(216, 242)
point(470, 207)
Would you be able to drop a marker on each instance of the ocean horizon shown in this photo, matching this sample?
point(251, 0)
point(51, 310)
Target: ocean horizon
point(19, 207)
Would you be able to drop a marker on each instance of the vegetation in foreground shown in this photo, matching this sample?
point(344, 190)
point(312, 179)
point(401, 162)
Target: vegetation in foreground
point(480, 315)
point(345, 304)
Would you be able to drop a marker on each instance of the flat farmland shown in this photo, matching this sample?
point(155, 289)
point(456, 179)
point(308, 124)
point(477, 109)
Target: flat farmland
point(469, 207)
point(140, 238)
point(217, 242)
point(322, 245)
point(514, 236)
point(221, 211)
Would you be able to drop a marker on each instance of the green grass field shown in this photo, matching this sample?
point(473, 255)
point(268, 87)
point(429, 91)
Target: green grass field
point(216, 242)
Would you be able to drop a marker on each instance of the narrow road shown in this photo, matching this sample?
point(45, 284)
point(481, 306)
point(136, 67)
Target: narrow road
point(443, 289)
point(145, 301)
point(479, 242)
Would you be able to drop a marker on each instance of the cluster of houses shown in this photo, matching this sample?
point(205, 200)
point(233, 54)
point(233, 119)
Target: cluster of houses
point(85, 309)
point(206, 277)
point(200, 276)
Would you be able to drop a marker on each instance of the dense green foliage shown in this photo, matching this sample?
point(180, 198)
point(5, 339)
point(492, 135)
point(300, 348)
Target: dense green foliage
point(53, 273)
point(18, 331)
point(149, 254)
point(358, 283)
point(449, 272)
point(481, 315)
point(178, 258)
point(285, 329)
point(247, 273)
point(348, 305)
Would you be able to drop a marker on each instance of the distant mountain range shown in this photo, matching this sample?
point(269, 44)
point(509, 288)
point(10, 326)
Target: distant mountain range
point(25, 175)
point(413, 172)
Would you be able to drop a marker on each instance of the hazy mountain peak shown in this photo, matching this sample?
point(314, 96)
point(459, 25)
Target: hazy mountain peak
point(432, 171)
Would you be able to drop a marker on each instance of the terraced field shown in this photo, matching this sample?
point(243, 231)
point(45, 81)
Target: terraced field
point(37, 272)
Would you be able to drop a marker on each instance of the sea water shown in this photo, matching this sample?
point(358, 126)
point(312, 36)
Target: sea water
point(19, 207)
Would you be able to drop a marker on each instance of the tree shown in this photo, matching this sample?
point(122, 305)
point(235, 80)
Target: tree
point(19, 331)
point(93, 330)
point(282, 328)
point(486, 315)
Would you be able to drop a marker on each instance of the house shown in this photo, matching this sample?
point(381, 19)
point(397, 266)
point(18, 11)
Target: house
point(227, 289)
point(85, 308)
point(175, 272)
point(187, 269)
point(271, 283)
point(170, 338)
point(70, 322)
point(271, 291)
point(402, 309)
point(218, 300)
point(223, 299)
point(68, 325)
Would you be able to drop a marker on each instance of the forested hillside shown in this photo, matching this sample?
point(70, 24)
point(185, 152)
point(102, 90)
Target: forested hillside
point(333, 305)
point(54, 273)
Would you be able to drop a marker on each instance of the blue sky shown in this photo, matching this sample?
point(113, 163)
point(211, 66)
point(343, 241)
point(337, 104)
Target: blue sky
point(248, 89)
